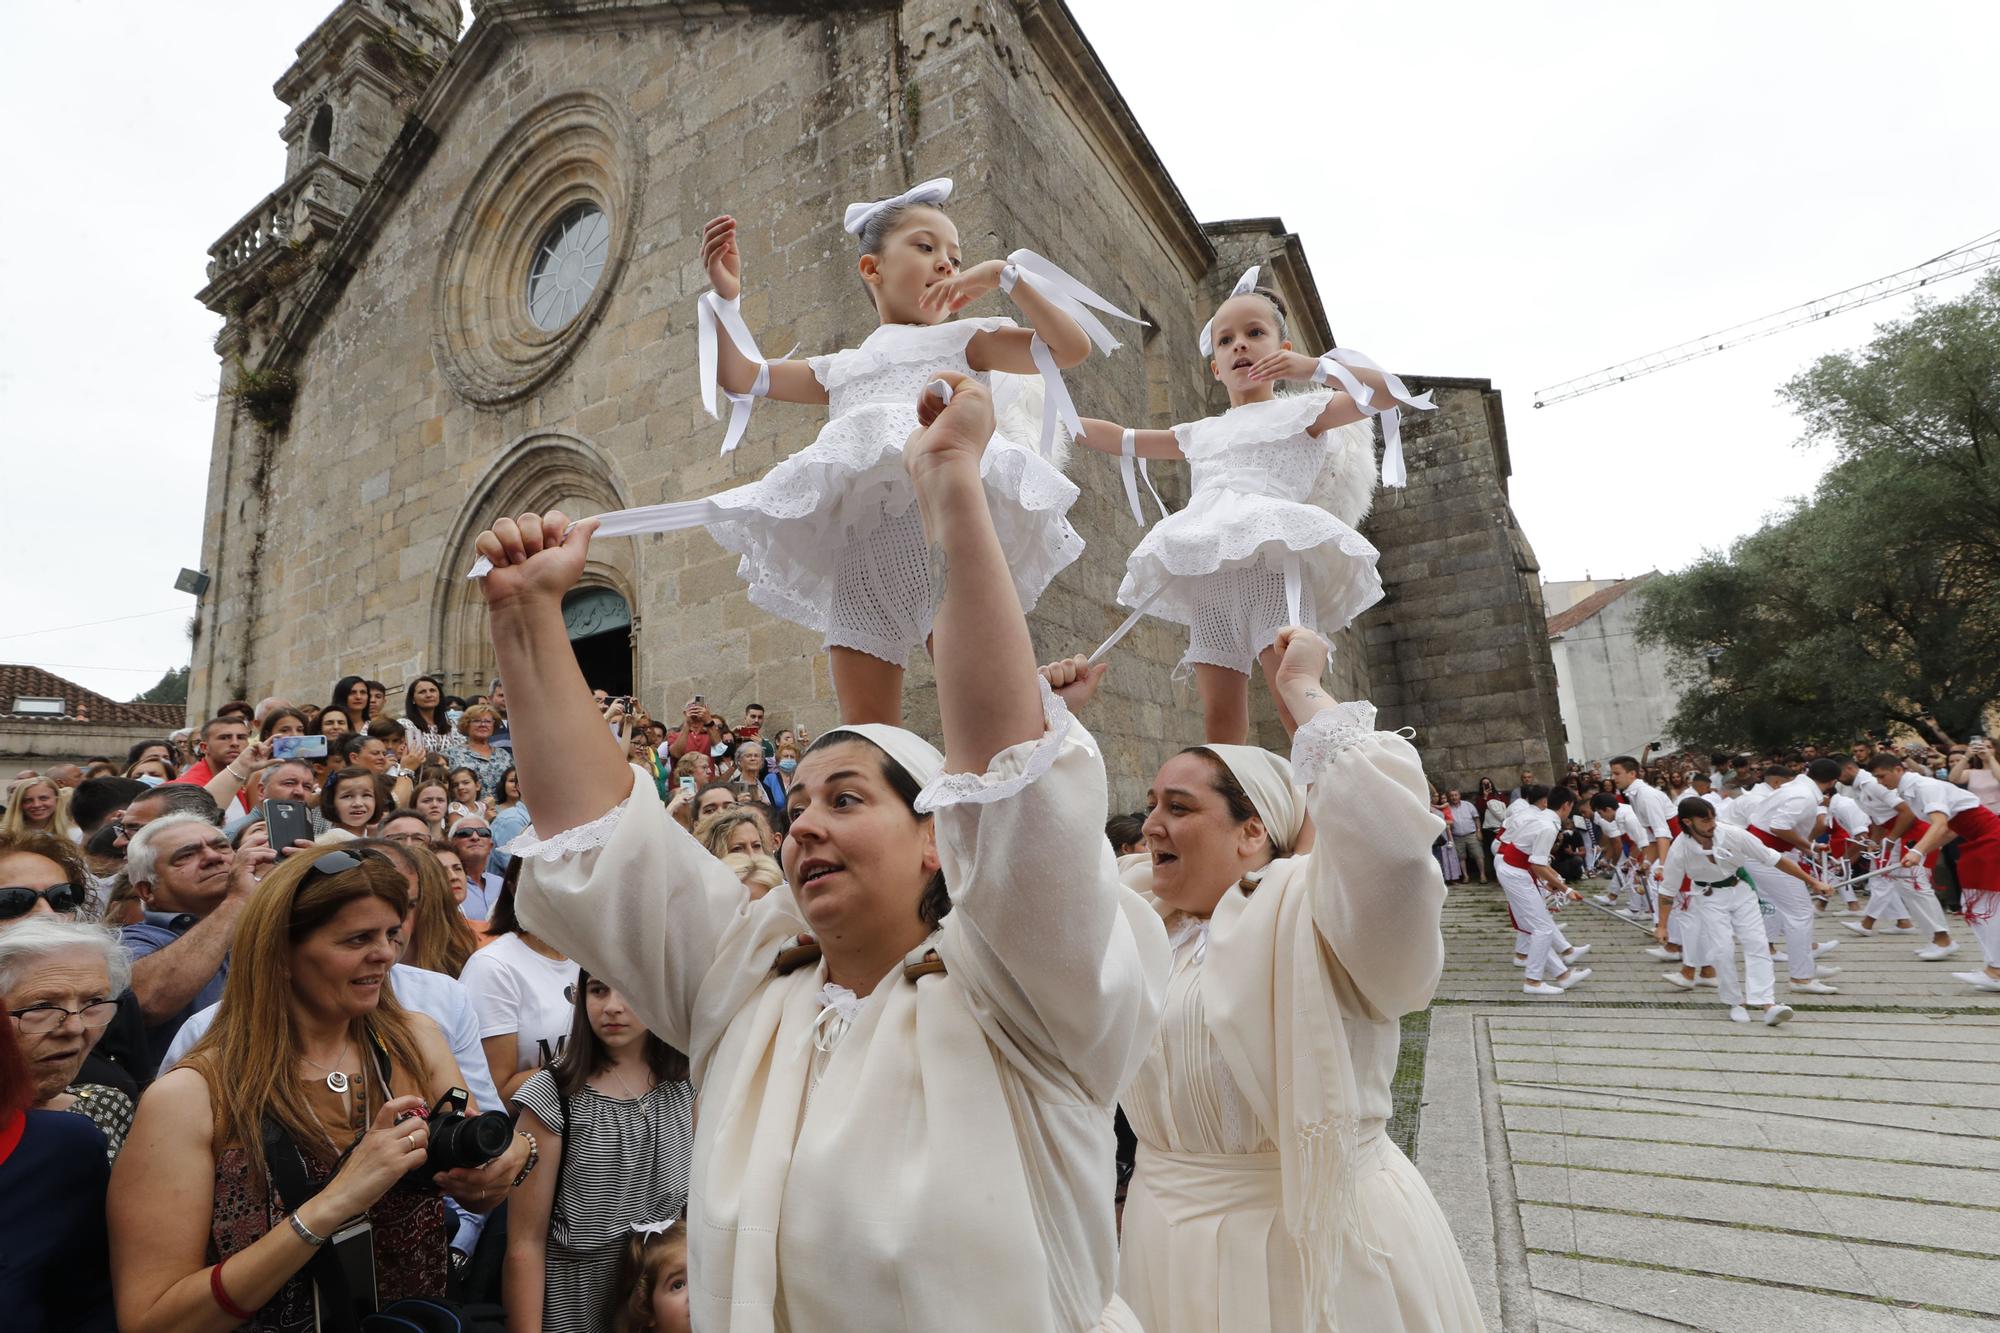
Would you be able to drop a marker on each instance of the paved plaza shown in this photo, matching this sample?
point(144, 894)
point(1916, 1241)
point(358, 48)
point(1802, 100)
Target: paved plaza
point(1627, 1159)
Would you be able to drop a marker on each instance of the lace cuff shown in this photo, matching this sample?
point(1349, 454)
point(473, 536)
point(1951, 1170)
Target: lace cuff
point(571, 841)
point(1322, 739)
point(996, 783)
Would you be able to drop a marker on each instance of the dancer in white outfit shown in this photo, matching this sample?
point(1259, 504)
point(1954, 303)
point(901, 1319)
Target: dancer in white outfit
point(1718, 859)
point(906, 1126)
point(1268, 1197)
point(1522, 866)
point(1787, 821)
point(1918, 800)
point(1622, 836)
point(1279, 484)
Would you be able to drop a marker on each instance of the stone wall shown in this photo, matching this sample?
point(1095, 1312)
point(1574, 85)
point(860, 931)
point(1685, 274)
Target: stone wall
point(1458, 648)
point(1618, 692)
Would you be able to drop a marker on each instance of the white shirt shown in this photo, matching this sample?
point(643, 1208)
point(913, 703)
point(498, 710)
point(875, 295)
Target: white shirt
point(1535, 838)
point(1733, 848)
point(517, 990)
point(1792, 808)
point(1652, 807)
point(1929, 796)
point(1520, 815)
point(1622, 823)
point(1847, 812)
point(1876, 801)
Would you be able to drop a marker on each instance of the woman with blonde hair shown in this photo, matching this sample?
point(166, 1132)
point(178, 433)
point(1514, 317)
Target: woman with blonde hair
point(733, 830)
point(472, 747)
point(311, 1057)
point(39, 805)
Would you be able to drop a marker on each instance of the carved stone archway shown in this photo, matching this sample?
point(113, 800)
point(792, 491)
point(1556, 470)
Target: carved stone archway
point(540, 471)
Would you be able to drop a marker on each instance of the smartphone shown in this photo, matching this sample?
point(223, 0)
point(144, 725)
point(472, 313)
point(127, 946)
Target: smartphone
point(287, 822)
point(689, 785)
point(298, 747)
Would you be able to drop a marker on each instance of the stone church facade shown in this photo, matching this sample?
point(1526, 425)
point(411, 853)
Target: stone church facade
point(404, 358)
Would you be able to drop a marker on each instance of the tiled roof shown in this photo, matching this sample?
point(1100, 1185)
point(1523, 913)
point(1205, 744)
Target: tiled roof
point(1562, 622)
point(79, 704)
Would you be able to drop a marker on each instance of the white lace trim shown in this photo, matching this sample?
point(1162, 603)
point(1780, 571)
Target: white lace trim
point(571, 841)
point(1321, 740)
point(1280, 418)
point(983, 788)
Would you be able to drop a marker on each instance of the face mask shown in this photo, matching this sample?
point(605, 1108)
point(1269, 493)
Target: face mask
point(1940, 773)
point(787, 765)
point(717, 751)
point(151, 780)
point(452, 715)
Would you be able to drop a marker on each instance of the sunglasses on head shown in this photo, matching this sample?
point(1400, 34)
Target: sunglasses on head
point(19, 900)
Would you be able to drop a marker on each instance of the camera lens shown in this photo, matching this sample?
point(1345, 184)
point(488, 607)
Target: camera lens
point(467, 1140)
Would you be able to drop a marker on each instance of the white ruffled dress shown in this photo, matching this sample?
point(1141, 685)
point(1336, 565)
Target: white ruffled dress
point(830, 538)
point(1251, 550)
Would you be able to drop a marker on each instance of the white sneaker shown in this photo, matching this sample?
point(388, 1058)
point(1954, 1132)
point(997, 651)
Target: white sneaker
point(1817, 987)
point(1663, 953)
point(1777, 1014)
point(1858, 928)
point(1826, 946)
point(1930, 953)
point(1676, 979)
point(1541, 988)
point(1738, 1014)
point(1576, 953)
point(1713, 983)
point(1979, 979)
point(1825, 970)
point(1575, 975)
point(1520, 962)
point(1603, 899)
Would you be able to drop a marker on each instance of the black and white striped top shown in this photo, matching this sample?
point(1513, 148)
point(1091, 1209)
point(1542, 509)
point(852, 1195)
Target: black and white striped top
point(623, 1162)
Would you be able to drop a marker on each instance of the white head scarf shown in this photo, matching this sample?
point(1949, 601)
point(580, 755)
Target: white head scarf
point(934, 191)
point(1245, 284)
point(1266, 779)
point(911, 752)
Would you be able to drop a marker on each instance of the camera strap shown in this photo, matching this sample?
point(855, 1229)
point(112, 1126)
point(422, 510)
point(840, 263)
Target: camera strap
point(333, 1295)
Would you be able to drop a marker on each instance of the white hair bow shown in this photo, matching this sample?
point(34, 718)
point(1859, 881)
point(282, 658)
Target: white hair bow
point(1244, 284)
point(930, 192)
point(655, 1228)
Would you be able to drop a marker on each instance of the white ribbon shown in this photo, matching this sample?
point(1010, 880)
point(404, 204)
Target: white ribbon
point(1077, 301)
point(1194, 927)
point(711, 311)
point(934, 191)
point(1130, 468)
point(1244, 284)
point(672, 517)
point(1394, 473)
point(1125, 627)
point(838, 1006)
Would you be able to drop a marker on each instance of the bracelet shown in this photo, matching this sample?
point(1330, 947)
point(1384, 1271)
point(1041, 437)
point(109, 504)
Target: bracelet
point(534, 1155)
point(1009, 275)
point(229, 1307)
point(305, 1233)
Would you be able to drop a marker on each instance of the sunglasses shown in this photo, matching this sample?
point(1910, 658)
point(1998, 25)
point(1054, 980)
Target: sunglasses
point(19, 900)
point(472, 833)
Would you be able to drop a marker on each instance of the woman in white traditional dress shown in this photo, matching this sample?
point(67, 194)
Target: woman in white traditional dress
point(1279, 484)
point(1268, 1196)
point(907, 1124)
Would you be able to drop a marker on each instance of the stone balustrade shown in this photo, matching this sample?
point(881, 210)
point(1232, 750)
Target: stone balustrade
point(322, 194)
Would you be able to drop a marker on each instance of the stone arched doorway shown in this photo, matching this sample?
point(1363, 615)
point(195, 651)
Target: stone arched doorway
point(599, 621)
point(541, 471)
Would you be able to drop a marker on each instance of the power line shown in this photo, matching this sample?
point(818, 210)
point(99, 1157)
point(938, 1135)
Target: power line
point(1981, 252)
point(30, 633)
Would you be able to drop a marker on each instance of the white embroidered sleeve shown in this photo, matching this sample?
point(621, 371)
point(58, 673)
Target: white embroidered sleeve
point(583, 838)
point(1009, 772)
point(1326, 734)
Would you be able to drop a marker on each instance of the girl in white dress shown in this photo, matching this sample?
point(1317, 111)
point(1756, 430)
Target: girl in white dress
point(1279, 483)
point(1268, 1197)
point(905, 1125)
point(830, 538)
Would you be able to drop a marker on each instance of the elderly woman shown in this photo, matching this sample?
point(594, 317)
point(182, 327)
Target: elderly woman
point(52, 1175)
point(61, 980)
point(750, 768)
point(1268, 1195)
point(473, 748)
point(310, 1042)
point(979, 979)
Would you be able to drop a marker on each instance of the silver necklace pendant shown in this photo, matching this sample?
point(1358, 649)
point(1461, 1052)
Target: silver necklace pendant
point(336, 1082)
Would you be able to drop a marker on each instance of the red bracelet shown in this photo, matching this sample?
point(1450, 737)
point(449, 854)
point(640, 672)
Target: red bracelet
point(229, 1307)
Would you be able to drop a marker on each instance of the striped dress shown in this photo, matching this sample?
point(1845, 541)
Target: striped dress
point(623, 1162)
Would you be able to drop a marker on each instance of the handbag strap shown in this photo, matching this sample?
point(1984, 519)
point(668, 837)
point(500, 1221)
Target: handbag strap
point(287, 1167)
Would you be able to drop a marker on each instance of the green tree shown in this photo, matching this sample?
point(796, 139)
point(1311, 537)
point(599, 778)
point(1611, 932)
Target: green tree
point(172, 689)
point(1878, 598)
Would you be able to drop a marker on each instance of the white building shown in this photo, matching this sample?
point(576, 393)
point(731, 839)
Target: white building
point(1616, 692)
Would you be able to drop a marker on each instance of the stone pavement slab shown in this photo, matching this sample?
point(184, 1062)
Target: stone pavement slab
point(1625, 1159)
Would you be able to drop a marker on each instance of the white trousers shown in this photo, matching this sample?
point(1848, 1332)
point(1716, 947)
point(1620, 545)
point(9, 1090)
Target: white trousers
point(1727, 919)
point(1982, 913)
point(1791, 903)
point(1906, 895)
point(1532, 919)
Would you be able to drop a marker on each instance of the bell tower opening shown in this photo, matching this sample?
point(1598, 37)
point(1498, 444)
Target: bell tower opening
point(319, 139)
point(599, 621)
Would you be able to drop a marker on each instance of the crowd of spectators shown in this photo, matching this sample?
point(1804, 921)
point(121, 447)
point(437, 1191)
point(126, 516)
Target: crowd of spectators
point(260, 1036)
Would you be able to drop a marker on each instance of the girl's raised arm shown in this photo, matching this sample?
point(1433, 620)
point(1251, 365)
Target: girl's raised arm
point(787, 381)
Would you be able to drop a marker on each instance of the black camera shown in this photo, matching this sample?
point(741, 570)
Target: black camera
point(458, 1139)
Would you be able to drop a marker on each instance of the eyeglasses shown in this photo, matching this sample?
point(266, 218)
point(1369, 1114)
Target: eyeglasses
point(19, 899)
point(472, 833)
point(39, 1018)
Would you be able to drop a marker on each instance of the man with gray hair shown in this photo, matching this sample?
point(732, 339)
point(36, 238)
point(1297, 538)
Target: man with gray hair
point(194, 887)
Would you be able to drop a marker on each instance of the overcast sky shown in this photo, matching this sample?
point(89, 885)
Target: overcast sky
point(1523, 192)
